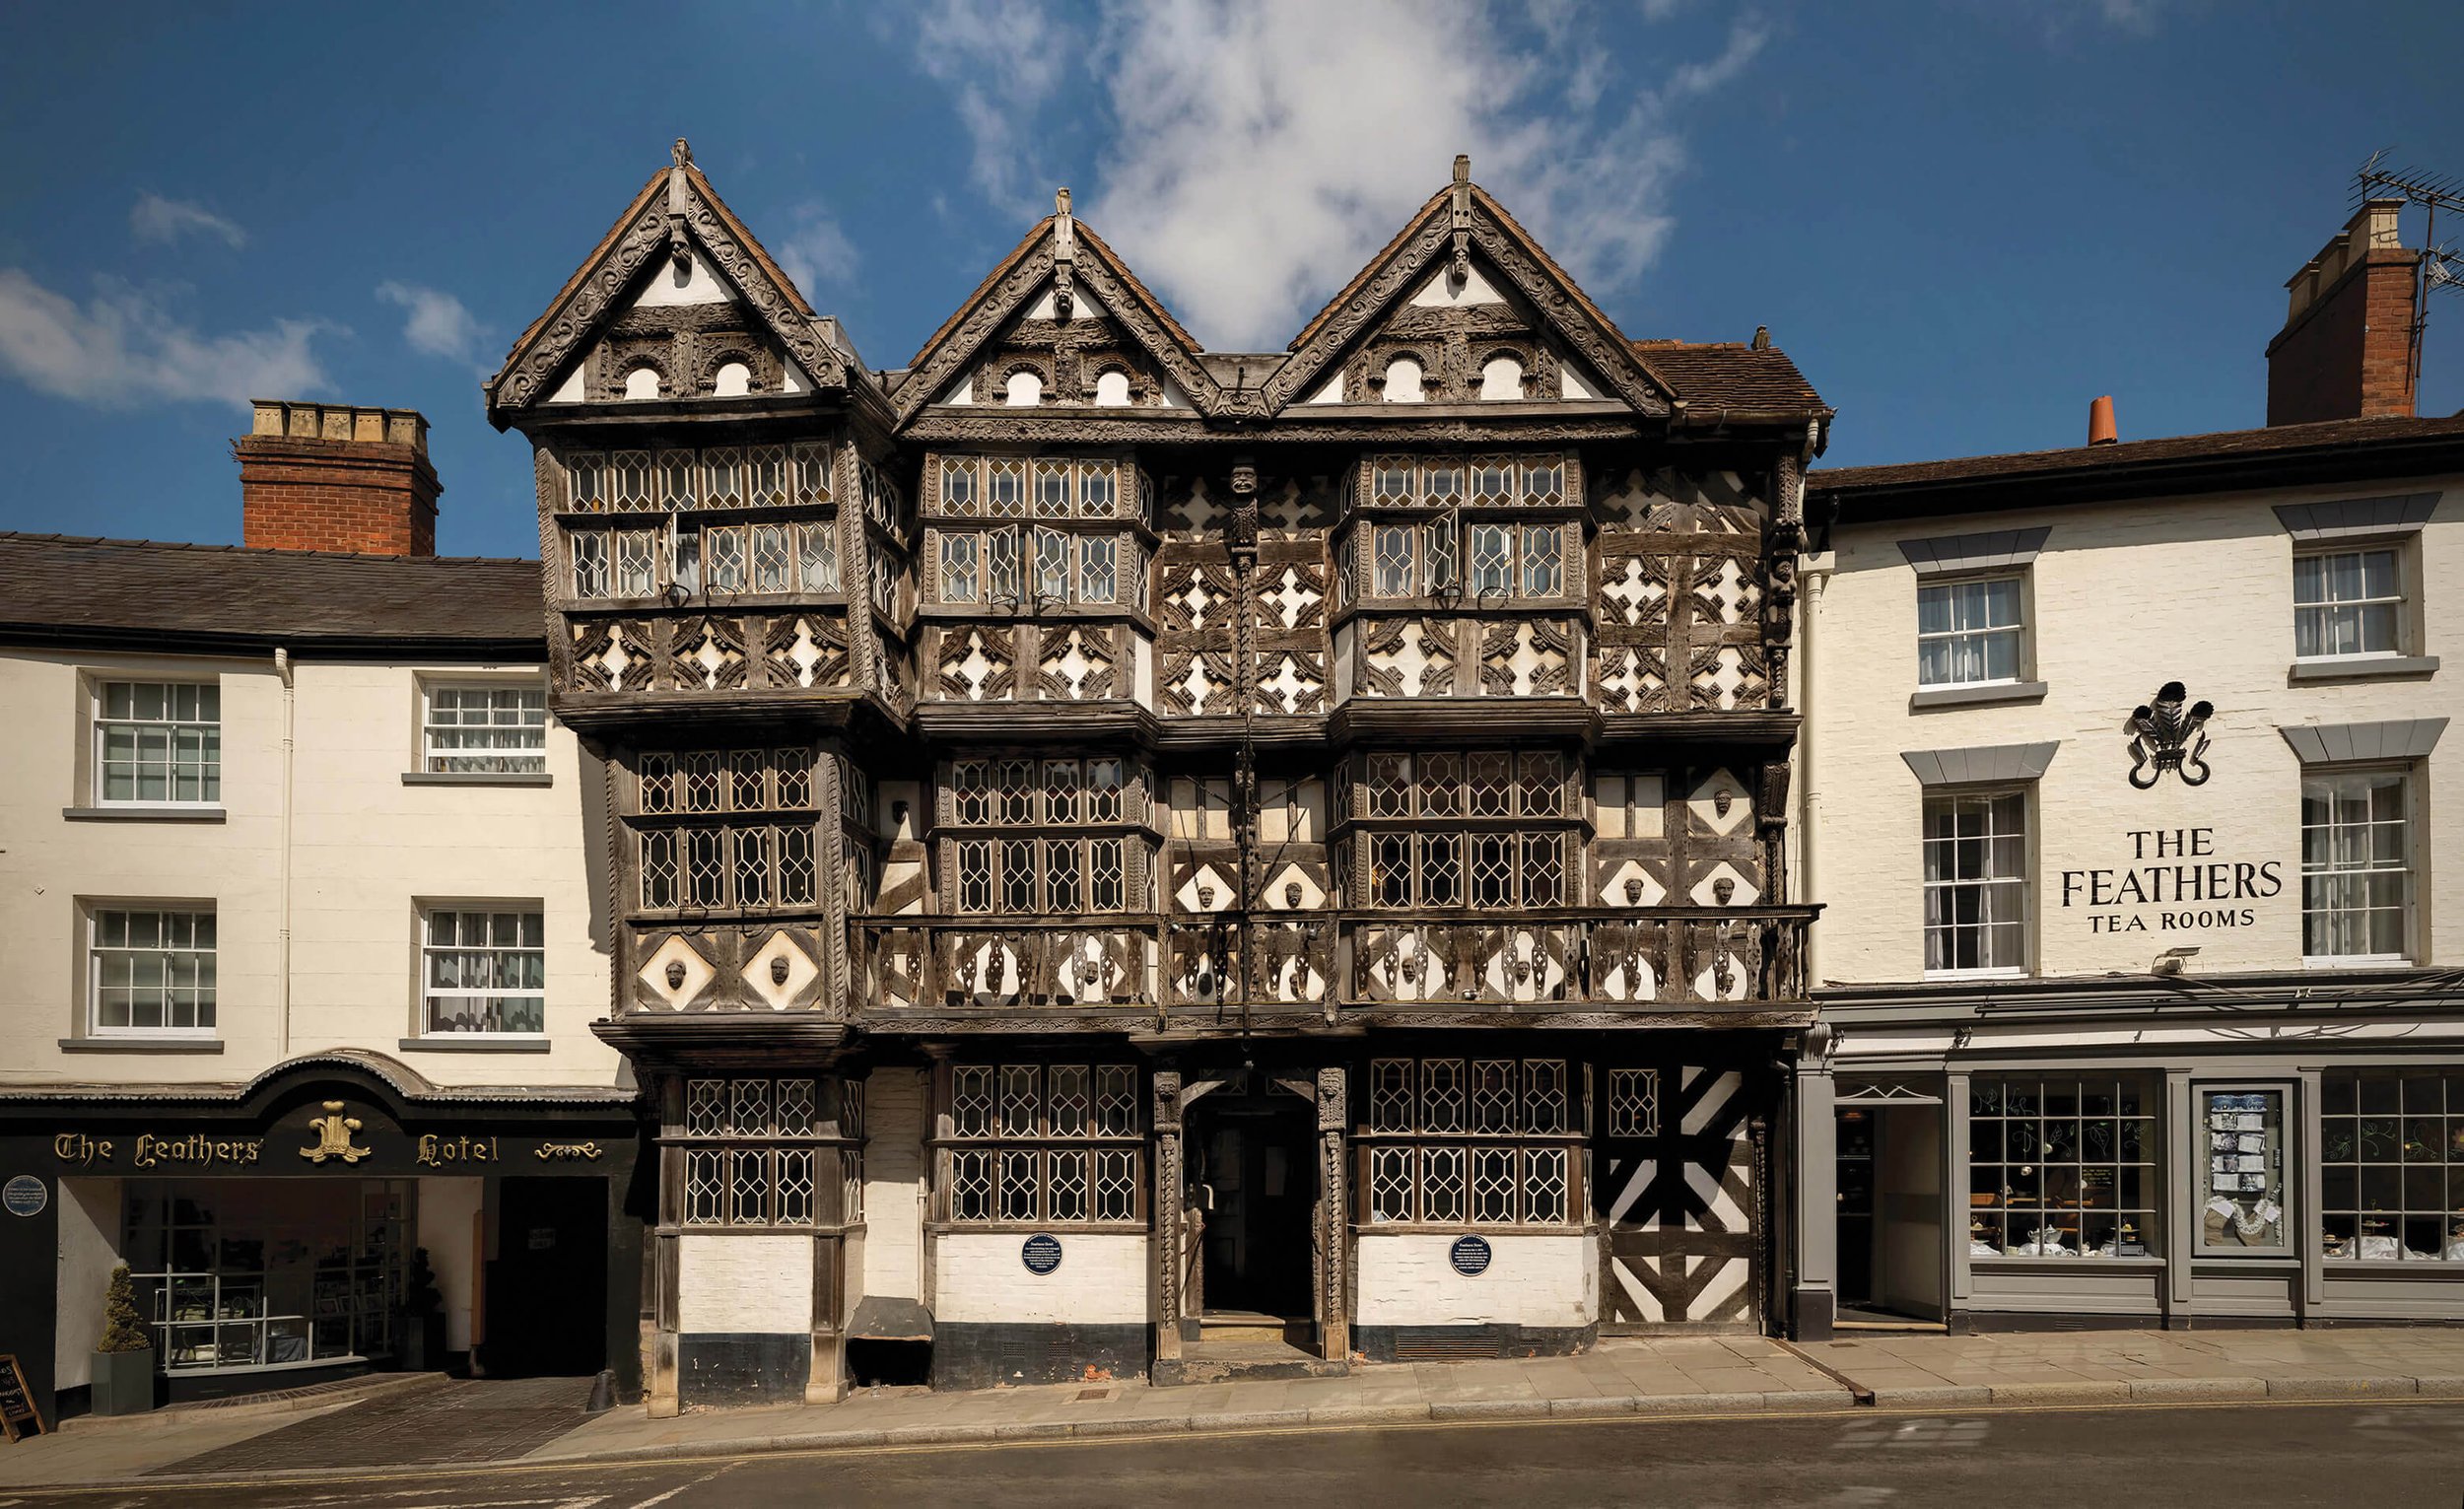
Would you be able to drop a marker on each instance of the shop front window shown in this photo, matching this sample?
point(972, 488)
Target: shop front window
point(2062, 1167)
point(267, 1272)
point(2391, 1165)
point(2242, 1136)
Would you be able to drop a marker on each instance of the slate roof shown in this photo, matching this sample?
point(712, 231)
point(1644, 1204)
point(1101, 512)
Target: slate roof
point(2280, 455)
point(1711, 375)
point(61, 589)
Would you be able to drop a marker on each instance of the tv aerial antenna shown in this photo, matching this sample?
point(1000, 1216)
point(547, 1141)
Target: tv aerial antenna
point(2440, 266)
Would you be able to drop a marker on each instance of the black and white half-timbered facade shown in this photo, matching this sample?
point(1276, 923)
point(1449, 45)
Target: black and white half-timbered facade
point(1123, 854)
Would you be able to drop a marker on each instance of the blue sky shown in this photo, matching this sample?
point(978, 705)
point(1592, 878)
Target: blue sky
point(1964, 219)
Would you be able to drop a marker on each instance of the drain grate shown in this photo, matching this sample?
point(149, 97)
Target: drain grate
point(1086, 1394)
point(1448, 1343)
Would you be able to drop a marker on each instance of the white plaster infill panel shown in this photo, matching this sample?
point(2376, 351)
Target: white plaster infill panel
point(744, 1284)
point(1409, 1279)
point(980, 1277)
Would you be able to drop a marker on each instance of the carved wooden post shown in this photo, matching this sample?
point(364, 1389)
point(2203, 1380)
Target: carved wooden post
point(1335, 1196)
point(1165, 1245)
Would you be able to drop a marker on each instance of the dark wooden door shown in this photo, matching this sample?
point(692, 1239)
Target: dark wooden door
point(1258, 1186)
point(547, 1286)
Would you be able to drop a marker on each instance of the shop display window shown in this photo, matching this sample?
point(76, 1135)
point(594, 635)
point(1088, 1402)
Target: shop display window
point(241, 1273)
point(2063, 1166)
point(2391, 1165)
point(2240, 1137)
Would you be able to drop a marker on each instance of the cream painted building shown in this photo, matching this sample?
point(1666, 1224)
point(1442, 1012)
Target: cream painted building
point(297, 862)
point(2129, 797)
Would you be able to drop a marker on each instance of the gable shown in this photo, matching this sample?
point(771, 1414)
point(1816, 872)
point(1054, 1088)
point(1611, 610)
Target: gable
point(677, 301)
point(1060, 322)
point(1063, 348)
point(1456, 336)
point(1463, 307)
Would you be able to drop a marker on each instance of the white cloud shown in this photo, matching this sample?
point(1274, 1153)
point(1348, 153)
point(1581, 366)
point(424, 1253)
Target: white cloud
point(1005, 61)
point(122, 348)
point(437, 324)
point(154, 217)
point(1262, 151)
point(814, 252)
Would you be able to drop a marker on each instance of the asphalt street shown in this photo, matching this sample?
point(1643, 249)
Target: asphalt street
point(2367, 1456)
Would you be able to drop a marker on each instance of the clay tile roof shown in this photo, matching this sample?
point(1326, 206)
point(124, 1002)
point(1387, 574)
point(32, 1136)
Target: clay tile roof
point(56, 588)
point(2084, 462)
point(1729, 374)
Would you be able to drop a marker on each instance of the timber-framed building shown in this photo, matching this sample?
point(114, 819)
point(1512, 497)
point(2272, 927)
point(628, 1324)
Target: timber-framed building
point(1117, 848)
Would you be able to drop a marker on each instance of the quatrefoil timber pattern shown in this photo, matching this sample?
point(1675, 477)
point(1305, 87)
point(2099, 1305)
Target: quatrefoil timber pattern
point(1680, 591)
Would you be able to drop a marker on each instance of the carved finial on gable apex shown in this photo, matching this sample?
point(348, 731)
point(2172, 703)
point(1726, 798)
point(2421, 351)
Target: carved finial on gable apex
point(679, 249)
point(1065, 254)
point(1461, 271)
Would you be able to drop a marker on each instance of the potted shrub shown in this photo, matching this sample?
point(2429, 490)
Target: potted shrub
point(423, 1318)
point(123, 1360)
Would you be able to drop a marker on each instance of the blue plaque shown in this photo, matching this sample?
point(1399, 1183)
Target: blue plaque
point(1041, 1254)
point(1470, 1256)
point(24, 1196)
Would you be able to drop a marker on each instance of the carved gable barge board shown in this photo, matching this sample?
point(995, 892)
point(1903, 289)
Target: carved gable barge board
point(1004, 293)
point(1564, 311)
point(1224, 1023)
point(630, 252)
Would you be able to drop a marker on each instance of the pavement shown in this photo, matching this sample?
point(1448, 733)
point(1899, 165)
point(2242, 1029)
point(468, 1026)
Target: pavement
point(439, 1425)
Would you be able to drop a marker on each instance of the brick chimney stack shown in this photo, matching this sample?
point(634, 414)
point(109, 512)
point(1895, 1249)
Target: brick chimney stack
point(2346, 351)
point(336, 476)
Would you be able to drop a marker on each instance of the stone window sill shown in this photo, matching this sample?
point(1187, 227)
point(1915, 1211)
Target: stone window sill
point(135, 1044)
point(477, 778)
point(164, 813)
point(449, 1043)
point(1975, 696)
point(2363, 667)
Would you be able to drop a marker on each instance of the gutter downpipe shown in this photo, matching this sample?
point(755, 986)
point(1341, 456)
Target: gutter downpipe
point(1818, 579)
point(282, 982)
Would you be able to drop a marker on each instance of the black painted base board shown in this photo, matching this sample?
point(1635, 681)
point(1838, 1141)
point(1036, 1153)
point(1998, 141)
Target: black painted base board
point(987, 1354)
point(743, 1368)
point(1424, 1343)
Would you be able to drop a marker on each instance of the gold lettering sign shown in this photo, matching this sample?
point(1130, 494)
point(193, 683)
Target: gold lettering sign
point(155, 1151)
point(436, 1151)
point(334, 1133)
point(563, 1150)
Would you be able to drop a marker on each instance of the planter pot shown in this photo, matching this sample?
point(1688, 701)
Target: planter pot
point(123, 1382)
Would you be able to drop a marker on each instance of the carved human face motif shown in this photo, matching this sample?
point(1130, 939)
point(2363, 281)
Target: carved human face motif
point(1722, 889)
point(1206, 898)
point(1722, 799)
point(1634, 890)
point(1291, 894)
point(675, 974)
point(778, 969)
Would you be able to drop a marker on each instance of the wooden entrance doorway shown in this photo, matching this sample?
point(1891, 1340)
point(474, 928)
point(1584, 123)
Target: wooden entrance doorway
point(1252, 1180)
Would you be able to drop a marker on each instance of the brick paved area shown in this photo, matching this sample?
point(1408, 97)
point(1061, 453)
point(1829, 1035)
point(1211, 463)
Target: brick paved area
point(477, 1421)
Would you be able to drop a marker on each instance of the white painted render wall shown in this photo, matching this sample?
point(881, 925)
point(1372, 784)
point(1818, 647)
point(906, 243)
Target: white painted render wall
point(894, 1184)
point(450, 1213)
point(1409, 1279)
point(978, 1277)
point(366, 850)
point(2123, 598)
point(90, 1237)
point(733, 1285)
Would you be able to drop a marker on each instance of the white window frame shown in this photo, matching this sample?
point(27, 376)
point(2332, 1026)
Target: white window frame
point(96, 950)
point(2400, 567)
point(2409, 783)
point(431, 994)
point(2016, 629)
point(96, 722)
point(2025, 880)
point(435, 761)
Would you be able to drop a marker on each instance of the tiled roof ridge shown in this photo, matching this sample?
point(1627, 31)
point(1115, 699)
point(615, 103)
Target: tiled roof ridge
point(38, 537)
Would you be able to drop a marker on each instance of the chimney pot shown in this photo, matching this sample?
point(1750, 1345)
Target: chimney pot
point(336, 476)
point(2101, 428)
